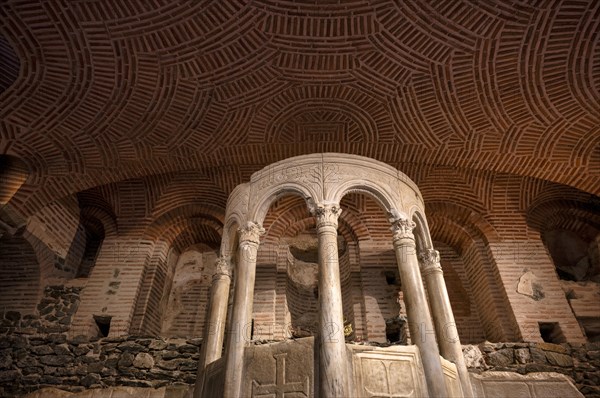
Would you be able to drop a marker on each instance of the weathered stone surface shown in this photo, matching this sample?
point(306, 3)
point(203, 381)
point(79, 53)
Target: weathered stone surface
point(169, 365)
point(62, 349)
point(8, 375)
point(157, 345)
point(293, 358)
point(188, 348)
point(522, 355)
point(130, 346)
point(56, 360)
point(594, 355)
point(473, 357)
point(144, 361)
point(5, 361)
point(126, 360)
point(503, 357)
point(557, 359)
point(537, 355)
point(90, 379)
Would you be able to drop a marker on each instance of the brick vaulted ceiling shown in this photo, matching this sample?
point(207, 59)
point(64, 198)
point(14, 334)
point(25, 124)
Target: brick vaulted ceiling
point(99, 91)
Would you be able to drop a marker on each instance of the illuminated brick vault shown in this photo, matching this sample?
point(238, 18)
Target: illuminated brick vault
point(299, 198)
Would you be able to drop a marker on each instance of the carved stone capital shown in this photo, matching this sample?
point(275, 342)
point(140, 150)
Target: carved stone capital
point(430, 261)
point(223, 268)
point(251, 232)
point(402, 228)
point(326, 214)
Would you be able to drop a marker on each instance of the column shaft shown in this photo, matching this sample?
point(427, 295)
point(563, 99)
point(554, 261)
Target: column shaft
point(333, 366)
point(214, 330)
point(417, 309)
point(443, 317)
point(239, 335)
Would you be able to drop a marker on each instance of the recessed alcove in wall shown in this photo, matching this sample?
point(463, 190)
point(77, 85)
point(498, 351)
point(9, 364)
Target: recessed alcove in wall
point(302, 272)
point(572, 255)
point(187, 302)
point(568, 222)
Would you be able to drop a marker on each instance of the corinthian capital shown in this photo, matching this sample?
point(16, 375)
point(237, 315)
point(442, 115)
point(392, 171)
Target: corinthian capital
point(402, 228)
point(326, 214)
point(223, 267)
point(251, 232)
point(430, 261)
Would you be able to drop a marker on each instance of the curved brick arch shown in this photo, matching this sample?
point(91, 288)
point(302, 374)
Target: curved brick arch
point(494, 309)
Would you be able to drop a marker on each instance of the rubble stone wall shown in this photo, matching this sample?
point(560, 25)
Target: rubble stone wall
point(581, 362)
point(28, 363)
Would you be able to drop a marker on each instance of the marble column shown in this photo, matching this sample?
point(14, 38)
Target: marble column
point(419, 319)
point(443, 318)
point(333, 366)
point(214, 330)
point(241, 320)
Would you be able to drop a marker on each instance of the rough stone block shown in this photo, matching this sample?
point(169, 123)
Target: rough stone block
point(522, 355)
point(557, 359)
point(503, 357)
point(143, 361)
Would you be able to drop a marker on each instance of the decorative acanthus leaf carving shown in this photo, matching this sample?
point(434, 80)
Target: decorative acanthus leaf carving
point(430, 261)
point(251, 232)
point(326, 214)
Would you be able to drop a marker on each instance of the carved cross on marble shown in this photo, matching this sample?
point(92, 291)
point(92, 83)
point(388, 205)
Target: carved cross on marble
point(281, 388)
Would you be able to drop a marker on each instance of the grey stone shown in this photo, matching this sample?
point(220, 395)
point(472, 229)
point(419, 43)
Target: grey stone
point(130, 346)
point(157, 345)
point(57, 338)
point(80, 339)
point(91, 379)
point(5, 361)
point(9, 375)
point(126, 360)
point(593, 355)
point(503, 357)
point(188, 365)
point(197, 341)
point(62, 349)
point(56, 360)
point(537, 355)
point(170, 355)
point(95, 367)
point(169, 365)
point(473, 357)
point(27, 371)
point(81, 350)
point(522, 355)
point(188, 348)
point(143, 361)
point(557, 359)
point(32, 378)
point(27, 362)
point(12, 315)
point(157, 373)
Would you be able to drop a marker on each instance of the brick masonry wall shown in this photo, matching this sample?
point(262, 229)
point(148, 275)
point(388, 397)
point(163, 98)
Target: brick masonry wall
point(466, 313)
point(547, 303)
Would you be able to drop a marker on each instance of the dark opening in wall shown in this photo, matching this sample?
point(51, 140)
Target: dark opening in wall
point(394, 330)
point(552, 333)
point(103, 324)
point(390, 277)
